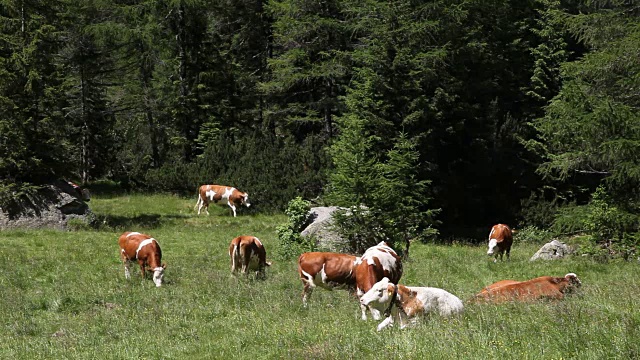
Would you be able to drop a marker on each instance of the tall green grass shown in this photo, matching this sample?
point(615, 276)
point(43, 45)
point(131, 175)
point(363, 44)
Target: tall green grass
point(63, 295)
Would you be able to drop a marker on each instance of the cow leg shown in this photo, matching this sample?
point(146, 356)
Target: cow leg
point(245, 257)
point(404, 320)
point(234, 259)
point(363, 308)
point(386, 322)
point(127, 271)
point(197, 204)
point(142, 270)
point(306, 292)
point(508, 254)
point(233, 207)
point(375, 313)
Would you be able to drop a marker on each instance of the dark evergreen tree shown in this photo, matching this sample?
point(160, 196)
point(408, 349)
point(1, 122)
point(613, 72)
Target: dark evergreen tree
point(34, 147)
point(308, 69)
point(591, 129)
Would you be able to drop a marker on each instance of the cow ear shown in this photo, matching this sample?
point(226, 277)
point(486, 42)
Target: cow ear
point(391, 289)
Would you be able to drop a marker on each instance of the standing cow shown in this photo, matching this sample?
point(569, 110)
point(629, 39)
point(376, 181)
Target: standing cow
point(325, 269)
point(376, 263)
point(500, 240)
point(144, 249)
point(219, 194)
point(248, 253)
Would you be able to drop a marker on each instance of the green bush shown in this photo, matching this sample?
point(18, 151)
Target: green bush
point(612, 229)
point(292, 243)
point(533, 234)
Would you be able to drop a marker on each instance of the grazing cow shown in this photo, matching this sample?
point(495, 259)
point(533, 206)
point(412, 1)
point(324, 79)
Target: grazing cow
point(407, 302)
point(248, 253)
point(500, 240)
point(217, 194)
point(544, 287)
point(325, 269)
point(135, 246)
point(376, 263)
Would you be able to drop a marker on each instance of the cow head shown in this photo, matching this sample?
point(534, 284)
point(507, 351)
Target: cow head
point(245, 200)
point(158, 275)
point(573, 280)
point(380, 295)
point(493, 244)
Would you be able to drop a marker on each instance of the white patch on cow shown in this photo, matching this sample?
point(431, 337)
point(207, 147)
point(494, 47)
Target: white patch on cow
point(133, 233)
point(227, 193)
point(323, 274)
point(384, 255)
point(491, 233)
point(258, 241)
point(492, 246)
point(319, 280)
point(144, 243)
point(210, 194)
point(158, 274)
point(309, 278)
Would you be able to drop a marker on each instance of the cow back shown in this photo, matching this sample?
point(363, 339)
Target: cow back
point(130, 245)
point(338, 268)
point(539, 288)
point(502, 233)
point(376, 263)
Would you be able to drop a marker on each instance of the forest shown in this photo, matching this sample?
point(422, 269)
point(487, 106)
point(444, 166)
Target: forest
point(439, 117)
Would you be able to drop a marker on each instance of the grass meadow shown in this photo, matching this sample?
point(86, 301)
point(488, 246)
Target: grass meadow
point(63, 295)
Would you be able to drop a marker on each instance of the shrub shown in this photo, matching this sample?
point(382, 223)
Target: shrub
point(292, 243)
point(613, 230)
point(533, 234)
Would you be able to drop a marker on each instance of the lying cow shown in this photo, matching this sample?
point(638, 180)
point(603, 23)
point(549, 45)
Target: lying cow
point(326, 270)
point(144, 249)
point(220, 194)
point(248, 253)
point(407, 303)
point(544, 287)
point(377, 262)
point(500, 240)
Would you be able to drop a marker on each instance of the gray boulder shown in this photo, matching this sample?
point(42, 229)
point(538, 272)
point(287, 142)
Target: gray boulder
point(552, 250)
point(51, 207)
point(321, 229)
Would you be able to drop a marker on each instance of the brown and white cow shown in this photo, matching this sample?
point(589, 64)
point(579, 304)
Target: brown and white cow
point(220, 194)
point(500, 240)
point(377, 262)
point(407, 303)
point(544, 287)
point(325, 269)
point(248, 253)
point(144, 249)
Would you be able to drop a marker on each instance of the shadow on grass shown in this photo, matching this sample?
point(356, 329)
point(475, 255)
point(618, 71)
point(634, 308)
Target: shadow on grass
point(147, 221)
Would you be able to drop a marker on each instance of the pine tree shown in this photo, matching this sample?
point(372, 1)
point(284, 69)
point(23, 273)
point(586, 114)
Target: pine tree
point(34, 147)
point(591, 130)
point(308, 69)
